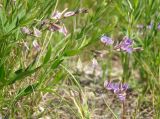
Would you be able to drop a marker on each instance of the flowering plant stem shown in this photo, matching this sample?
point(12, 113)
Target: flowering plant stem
point(123, 110)
point(115, 116)
point(126, 68)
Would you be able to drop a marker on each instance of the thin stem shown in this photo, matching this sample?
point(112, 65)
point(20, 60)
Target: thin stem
point(44, 47)
point(123, 110)
point(115, 116)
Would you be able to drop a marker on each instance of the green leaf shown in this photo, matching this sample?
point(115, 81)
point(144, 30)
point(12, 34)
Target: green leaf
point(56, 63)
point(48, 55)
point(2, 74)
point(28, 90)
point(22, 75)
point(71, 52)
point(33, 63)
point(59, 76)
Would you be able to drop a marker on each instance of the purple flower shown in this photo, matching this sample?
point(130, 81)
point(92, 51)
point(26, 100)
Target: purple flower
point(124, 87)
point(109, 85)
point(37, 33)
point(106, 40)
point(122, 96)
point(26, 30)
point(125, 45)
point(54, 27)
point(150, 26)
point(36, 45)
point(56, 15)
point(158, 26)
point(68, 14)
point(118, 88)
point(63, 30)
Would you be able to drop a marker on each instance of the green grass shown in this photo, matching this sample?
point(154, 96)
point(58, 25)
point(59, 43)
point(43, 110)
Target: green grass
point(26, 76)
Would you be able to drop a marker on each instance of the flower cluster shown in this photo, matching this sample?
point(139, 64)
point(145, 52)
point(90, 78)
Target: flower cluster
point(35, 32)
point(53, 24)
point(125, 45)
point(118, 88)
point(150, 26)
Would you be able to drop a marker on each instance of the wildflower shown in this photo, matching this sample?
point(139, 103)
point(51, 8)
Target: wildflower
point(121, 92)
point(26, 30)
point(150, 26)
point(68, 14)
point(63, 30)
point(106, 40)
point(118, 88)
point(36, 45)
point(109, 85)
point(125, 45)
point(56, 15)
point(54, 27)
point(37, 33)
point(158, 27)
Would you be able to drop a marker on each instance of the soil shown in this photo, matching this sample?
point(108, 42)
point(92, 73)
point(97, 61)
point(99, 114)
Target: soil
point(93, 97)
